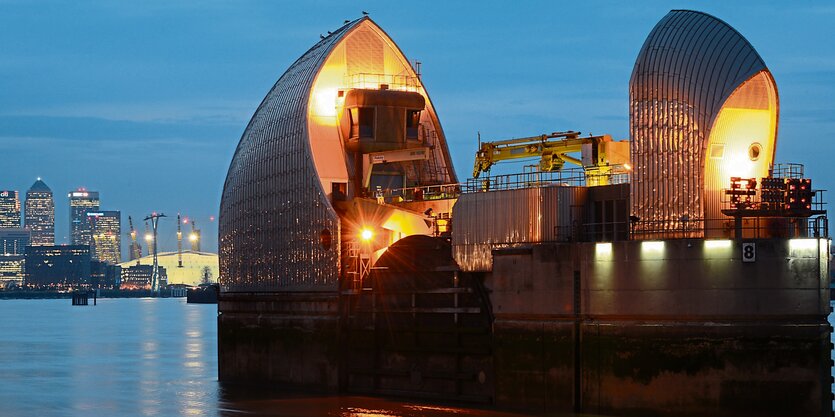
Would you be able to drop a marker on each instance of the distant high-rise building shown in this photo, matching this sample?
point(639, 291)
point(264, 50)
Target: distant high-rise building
point(39, 214)
point(64, 265)
point(9, 209)
point(13, 242)
point(106, 229)
point(82, 202)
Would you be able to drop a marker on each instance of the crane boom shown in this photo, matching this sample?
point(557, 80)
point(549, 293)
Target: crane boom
point(135, 249)
point(600, 155)
point(179, 243)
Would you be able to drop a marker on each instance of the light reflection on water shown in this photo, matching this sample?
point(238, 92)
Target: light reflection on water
point(144, 357)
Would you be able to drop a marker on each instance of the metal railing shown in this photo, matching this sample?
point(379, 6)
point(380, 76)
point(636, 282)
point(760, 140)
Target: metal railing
point(420, 193)
point(751, 228)
point(377, 81)
point(565, 177)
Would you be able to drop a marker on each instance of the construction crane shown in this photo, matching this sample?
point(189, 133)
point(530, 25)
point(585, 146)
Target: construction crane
point(600, 156)
point(179, 243)
point(194, 238)
point(135, 249)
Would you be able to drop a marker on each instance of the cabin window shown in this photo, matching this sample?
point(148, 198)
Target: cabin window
point(362, 122)
point(412, 122)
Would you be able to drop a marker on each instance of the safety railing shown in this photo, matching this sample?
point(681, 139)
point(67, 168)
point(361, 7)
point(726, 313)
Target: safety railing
point(420, 193)
point(724, 228)
point(382, 81)
point(564, 177)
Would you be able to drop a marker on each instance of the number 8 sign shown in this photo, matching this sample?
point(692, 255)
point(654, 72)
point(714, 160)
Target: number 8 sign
point(749, 252)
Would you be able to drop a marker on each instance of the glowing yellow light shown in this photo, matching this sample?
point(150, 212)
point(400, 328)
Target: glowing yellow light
point(652, 248)
point(627, 167)
point(366, 234)
point(149, 237)
point(803, 244)
point(192, 237)
point(603, 251)
point(717, 244)
point(325, 102)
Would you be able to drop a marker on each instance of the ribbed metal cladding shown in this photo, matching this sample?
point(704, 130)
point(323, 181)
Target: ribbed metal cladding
point(273, 209)
point(689, 65)
point(512, 218)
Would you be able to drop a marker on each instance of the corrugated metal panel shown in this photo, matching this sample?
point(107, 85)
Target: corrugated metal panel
point(689, 65)
point(501, 219)
point(273, 208)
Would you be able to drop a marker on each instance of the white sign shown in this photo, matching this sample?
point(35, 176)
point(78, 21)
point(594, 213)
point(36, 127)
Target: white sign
point(749, 252)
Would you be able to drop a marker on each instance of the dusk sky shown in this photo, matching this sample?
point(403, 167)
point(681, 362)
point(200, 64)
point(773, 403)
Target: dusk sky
point(146, 101)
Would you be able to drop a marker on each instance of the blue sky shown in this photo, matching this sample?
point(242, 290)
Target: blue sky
point(146, 101)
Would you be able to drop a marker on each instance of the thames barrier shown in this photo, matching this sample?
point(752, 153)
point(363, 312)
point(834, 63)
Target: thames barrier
point(682, 271)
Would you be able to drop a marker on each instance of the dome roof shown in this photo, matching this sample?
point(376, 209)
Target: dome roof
point(191, 273)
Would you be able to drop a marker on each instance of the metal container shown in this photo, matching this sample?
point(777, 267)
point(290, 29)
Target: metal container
point(500, 219)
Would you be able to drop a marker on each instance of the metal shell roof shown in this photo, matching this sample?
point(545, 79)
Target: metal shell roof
point(272, 198)
point(688, 67)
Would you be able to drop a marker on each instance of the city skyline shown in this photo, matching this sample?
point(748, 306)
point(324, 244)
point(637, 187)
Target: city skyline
point(150, 115)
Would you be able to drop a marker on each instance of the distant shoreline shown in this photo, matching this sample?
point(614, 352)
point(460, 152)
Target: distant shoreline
point(51, 295)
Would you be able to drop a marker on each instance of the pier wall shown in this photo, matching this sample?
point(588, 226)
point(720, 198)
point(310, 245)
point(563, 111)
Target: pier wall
point(279, 339)
point(679, 327)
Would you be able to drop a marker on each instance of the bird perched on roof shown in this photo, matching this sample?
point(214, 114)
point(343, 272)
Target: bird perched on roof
point(321, 37)
point(330, 33)
point(346, 22)
point(364, 13)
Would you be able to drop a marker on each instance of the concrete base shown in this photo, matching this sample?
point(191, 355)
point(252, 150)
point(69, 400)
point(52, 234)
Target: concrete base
point(673, 328)
point(280, 339)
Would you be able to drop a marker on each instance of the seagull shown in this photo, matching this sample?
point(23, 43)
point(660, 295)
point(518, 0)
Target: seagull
point(364, 13)
point(346, 22)
point(321, 37)
point(329, 32)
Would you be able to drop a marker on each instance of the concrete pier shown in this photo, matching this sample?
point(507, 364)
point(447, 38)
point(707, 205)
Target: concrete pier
point(676, 327)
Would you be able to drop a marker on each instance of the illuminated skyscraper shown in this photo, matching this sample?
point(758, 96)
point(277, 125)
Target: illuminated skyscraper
point(9, 209)
point(82, 202)
point(106, 230)
point(39, 214)
point(13, 244)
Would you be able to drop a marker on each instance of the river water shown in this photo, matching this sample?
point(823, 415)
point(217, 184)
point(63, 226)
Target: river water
point(143, 357)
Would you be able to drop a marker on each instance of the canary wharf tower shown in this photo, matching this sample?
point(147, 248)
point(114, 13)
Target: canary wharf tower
point(39, 215)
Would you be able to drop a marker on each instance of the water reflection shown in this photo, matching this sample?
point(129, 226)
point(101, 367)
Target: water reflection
point(154, 357)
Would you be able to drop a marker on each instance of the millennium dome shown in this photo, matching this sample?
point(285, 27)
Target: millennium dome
point(703, 109)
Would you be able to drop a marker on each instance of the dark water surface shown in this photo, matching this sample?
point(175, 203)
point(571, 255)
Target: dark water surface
point(143, 357)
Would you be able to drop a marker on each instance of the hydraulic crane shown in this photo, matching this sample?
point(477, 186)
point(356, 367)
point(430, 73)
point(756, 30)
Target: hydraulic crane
point(600, 156)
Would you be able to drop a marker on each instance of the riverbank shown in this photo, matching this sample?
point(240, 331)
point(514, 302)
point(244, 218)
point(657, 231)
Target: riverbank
point(49, 295)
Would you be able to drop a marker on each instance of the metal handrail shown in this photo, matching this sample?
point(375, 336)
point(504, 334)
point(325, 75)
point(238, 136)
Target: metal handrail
point(566, 177)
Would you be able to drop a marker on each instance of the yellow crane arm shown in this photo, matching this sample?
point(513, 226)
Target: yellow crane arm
point(552, 149)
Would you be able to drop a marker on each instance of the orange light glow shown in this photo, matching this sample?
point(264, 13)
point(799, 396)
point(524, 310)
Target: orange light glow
point(366, 234)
